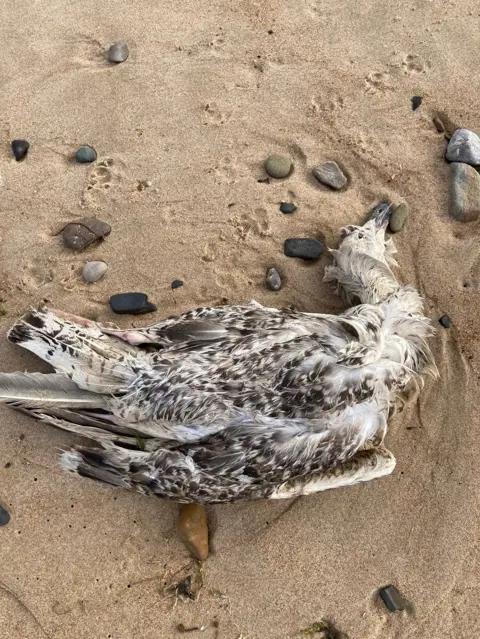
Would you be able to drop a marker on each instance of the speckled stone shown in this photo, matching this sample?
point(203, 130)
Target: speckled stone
point(465, 192)
point(20, 149)
point(331, 175)
point(118, 52)
point(464, 146)
point(278, 166)
point(392, 598)
point(193, 530)
point(94, 271)
point(85, 155)
point(398, 218)
point(131, 304)
point(273, 279)
point(306, 248)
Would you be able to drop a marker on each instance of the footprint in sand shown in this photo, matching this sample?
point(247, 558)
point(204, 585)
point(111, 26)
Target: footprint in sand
point(413, 63)
point(100, 180)
point(377, 82)
point(88, 52)
point(213, 115)
point(256, 223)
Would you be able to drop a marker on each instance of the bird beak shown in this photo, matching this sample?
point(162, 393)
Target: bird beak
point(381, 215)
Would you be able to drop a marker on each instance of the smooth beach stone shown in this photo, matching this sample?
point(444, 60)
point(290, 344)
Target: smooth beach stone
point(288, 207)
point(19, 149)
point(306, 248)
point(176, 284)
point(193, 530)
point(93, 271)
point(4, 516)
point(392, 598)
point(464, 146)
point(465, 192)
point(398, 218)
point(85, 154)
point(278, 166)
point(79, 234)
point(331, 175)
point(416, 102)
point(118, 52)
point(131, 304)
point(273, 279)
point(445, 321)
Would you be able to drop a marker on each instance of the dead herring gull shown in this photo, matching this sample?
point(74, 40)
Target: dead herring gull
point(236, 402)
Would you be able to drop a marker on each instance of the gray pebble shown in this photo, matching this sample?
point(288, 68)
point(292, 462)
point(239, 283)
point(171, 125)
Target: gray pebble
point(331, 175)
point(288, 207)
point(445, 321)
point(278, 166)
point(20, 149)
point(392, 598)
point(273, 279)
point(465, 202)
point(398, 218)
point(85, 154)
point(306, 248)
point(118, 52)
point(4, 516)
point(464, 146)
point(93, 271)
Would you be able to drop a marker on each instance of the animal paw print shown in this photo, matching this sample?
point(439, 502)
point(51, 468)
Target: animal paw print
point(257, 223)
point(213, 115)
point(101, 179)
point(377, 82)
point(413, 63)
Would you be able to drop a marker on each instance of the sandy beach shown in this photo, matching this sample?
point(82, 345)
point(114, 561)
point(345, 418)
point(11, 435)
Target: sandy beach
point(208, 92)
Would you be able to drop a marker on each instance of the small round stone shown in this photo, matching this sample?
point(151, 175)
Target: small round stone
point(176, 284)
point(398, 218)
point(118, 52)
point(85, 154)
point(416, 102)
point(445, 321)
point(20, 149)
point(288, 207)
point(273, 279)
point(93, 271)
point(278, 166)
point(4, 516)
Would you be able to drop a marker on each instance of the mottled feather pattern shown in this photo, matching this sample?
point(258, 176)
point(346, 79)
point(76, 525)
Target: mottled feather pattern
point(239, 402)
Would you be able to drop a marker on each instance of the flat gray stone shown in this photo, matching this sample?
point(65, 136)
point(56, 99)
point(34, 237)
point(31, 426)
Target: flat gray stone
point(464, 146)
point(331, 175)
point(465, 202)
point(118, 52)
point(93, 271)
point(306, 248)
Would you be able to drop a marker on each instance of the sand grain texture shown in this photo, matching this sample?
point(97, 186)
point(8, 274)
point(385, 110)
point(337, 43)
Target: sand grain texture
point(204, 97)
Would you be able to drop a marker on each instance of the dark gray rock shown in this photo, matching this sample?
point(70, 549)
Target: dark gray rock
point(94, 271)
point(79, 234)
point(445, 321)
point(85, 154)
point(288, 207)
point(20, 149)
point(4, 516)
point(176, 284)
point(465, 192)
point(392, 598)
point(331, 175)
point(131, 304)
point(118, 52)
point(464, 146)
point(398, 218)
point(306, 248)
point(416, 102)
point(273, 279)
point(278, 166)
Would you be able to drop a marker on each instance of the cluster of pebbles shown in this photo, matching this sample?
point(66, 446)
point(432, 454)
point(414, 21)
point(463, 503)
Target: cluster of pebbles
point(463, 154)
point(331, 175)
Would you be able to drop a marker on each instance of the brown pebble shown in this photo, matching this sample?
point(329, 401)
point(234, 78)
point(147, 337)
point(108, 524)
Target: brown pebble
point(79, 234)
point(193, 529)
